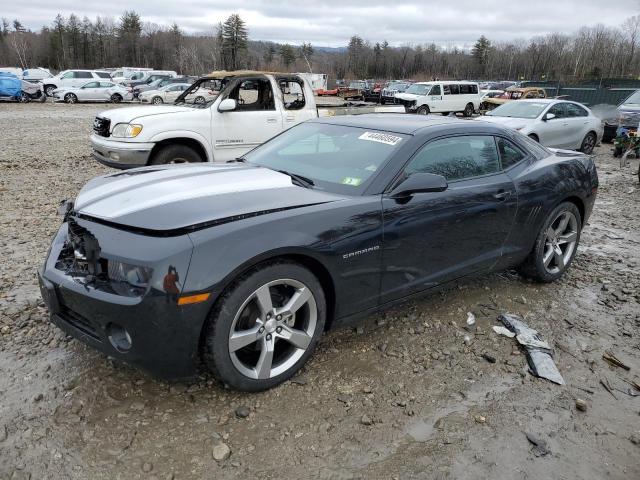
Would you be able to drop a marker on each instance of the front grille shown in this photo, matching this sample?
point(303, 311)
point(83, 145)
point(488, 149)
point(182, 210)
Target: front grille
point(79, 322)
point(101, 126)
point(406, 103)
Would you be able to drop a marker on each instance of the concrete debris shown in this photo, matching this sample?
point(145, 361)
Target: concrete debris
point(500, 330)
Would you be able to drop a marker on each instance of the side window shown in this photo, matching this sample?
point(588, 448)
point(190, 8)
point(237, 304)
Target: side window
point(509, 153)
point(435, 90)
point(574, 110)
point(253, 95)
point(558, 110)
point(456, 158)
point(455, 89)
point(447, 89)
point(292, 94)
point(91, 85)
point(68, 75)
point(83, 75)
point(106, 85)
point(474, 89)
point(103, 74)
point(465, 89)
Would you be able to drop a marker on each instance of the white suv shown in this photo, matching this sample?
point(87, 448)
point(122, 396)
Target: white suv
point(73, 78)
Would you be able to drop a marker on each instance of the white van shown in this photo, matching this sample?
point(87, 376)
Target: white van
point(441, 97)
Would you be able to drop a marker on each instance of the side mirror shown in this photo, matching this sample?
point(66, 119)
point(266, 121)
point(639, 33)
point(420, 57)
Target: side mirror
point(548, 116)
point(420, 183)
point(227, 105)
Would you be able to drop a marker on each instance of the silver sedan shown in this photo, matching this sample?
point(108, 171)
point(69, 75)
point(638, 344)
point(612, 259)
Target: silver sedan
point(94, 91)
point(554, 123)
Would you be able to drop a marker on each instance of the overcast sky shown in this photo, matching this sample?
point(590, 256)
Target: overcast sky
point(332, 22)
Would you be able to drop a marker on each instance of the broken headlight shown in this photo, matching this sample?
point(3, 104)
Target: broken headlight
point(126, 130)
point(134, 275)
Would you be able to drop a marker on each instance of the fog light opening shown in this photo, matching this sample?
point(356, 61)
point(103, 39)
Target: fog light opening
point(119, 337)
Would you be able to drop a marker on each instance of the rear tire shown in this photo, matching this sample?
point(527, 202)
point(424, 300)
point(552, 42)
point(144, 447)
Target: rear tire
point(588, 143)
point(555, 245)
point(116, 98)
point(468, 110)
point(24, 98)
point(175, 154)
point(423, 110)
point(244, 311)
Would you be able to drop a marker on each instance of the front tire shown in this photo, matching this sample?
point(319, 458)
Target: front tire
point(265, 327)
point(175, 154)
point(555, 245)
point(157, 100)
point(423, 110)
point(70, 98)
point(588, 143)
point(49, 89)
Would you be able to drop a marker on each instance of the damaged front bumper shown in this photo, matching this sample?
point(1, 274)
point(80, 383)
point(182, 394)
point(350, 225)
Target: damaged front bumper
point(121, 155)
point(147, 327)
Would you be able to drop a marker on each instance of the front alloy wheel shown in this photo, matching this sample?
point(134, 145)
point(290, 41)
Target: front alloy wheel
point(265, 327)
point(266, 340)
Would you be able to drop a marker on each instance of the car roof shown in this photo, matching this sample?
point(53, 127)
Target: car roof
point(390, 122)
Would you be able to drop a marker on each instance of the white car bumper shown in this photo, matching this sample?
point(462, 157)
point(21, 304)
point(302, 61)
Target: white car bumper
point(118, 154)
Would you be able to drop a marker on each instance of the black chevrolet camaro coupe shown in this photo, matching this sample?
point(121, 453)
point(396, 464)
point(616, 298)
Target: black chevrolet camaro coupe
point(241, 267)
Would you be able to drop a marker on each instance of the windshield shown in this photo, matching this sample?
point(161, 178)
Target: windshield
point(357, 85)
point(418, 89)
point(522, 109)
point(634, 99)
point(337, 158)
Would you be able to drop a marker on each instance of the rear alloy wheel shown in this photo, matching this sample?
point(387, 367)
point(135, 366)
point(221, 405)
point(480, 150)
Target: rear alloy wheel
point(116, 98)
point(70, 98)
point(157, 100)
point(175, 154)
point(468, 110)
point(423, 110)
point(24, 98)
point(265, 327)
point(555, 245)
point(589, 143)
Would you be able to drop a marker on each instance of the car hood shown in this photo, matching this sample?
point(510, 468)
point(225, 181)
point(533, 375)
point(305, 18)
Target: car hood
point(187, 197)
point(126, 115)
point(515, 123)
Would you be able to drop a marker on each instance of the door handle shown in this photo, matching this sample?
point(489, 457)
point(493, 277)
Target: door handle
point(272, 120)
point(290, 119)
point(502, 195)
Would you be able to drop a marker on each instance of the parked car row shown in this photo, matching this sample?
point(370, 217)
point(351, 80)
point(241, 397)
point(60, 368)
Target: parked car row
point(14, 89)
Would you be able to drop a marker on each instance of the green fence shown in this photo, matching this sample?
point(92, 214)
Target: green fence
point(608, 91)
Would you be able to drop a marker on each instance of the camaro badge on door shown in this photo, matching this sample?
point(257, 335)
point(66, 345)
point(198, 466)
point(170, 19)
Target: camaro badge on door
point(346, 256)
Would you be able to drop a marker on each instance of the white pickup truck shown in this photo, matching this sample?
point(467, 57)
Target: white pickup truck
point(251, 108)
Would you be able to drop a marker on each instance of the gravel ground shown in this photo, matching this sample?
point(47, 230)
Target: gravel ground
point(401, 396)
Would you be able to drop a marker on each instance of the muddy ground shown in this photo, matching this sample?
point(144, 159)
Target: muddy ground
point(401, 397)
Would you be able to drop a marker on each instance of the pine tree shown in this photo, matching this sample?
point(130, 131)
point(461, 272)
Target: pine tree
point(480, 52)
point(234, 41)
point(287, 54)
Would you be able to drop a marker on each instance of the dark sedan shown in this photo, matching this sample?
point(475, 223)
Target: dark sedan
point(241, 267)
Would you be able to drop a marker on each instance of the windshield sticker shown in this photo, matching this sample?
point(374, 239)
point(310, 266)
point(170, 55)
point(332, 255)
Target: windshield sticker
point(380, 138)
point(354, 182)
